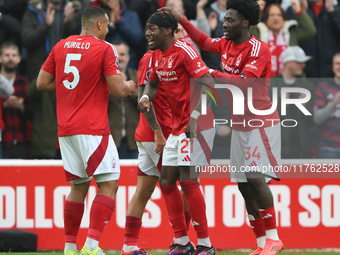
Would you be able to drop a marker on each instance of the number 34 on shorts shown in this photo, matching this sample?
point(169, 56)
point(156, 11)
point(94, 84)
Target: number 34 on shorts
point(252, 153)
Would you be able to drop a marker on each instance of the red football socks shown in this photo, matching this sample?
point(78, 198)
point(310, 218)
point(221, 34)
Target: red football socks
point(132, 228)
point(258, 227)
point(196, 205)
point(268, 218)
point(101, 211)
point(175, 208)
point(73, 213)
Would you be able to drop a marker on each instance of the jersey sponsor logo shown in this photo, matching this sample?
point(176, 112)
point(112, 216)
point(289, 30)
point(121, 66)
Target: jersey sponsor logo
point(251, 66)
point(200, 69)
point(229, 69)
point(166, 75)
point(215, 40)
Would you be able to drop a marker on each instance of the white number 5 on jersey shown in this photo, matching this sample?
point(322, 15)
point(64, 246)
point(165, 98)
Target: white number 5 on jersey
point(71, 69)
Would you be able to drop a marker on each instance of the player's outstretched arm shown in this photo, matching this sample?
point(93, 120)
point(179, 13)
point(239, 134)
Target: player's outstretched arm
point(202, 40)
point(46, 81)
point(118, 88)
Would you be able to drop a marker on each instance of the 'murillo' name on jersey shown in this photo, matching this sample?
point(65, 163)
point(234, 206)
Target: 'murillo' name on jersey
point(77, 45)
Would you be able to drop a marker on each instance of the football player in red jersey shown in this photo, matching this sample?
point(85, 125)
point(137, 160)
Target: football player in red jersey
point(150, 142)
point(82, 69)
point(245, 59)
point(174, 62)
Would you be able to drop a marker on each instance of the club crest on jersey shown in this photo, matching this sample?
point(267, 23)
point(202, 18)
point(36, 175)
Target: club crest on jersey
point(170, 62)
point(238, 60)
point(215, 40)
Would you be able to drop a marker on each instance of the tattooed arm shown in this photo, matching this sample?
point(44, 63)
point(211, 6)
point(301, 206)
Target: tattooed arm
point(151, 118)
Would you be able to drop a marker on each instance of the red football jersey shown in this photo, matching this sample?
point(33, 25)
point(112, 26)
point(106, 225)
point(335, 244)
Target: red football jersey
point(163, 113)
point(252, 56)
point(80, 65)
point(173, 68)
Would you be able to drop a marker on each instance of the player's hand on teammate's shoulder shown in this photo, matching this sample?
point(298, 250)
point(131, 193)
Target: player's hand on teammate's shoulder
point(132, 86)
point(172, 10)
point(160, 141)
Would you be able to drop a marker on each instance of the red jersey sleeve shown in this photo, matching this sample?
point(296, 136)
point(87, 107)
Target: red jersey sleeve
point(153, 74)
point(203, 41)
point(49, 65)
point(110, 61)
point(144, 69)
point(191, 60)
point(259, 61)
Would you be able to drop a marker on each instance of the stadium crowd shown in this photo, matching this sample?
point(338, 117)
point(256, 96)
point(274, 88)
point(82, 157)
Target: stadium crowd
point(303, 36)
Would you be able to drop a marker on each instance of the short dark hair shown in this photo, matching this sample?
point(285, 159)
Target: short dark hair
point(163, 20)
point(92, 12)
point(266, 12)
point(9, 44)
point(249, 9)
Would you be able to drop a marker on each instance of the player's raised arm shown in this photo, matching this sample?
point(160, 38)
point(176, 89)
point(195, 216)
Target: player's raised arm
point(202, 40)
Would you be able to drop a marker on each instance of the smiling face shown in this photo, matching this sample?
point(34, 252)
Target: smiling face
point(154, 35)
point(232, 26)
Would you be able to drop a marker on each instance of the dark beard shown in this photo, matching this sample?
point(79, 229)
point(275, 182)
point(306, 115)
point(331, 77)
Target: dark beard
point(9, 69)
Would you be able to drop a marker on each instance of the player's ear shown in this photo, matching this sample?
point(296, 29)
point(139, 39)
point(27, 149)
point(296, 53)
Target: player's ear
point(168, 31)
point(99, 24)
point(245, 24)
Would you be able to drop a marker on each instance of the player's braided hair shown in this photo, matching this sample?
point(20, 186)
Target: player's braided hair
point(163, 20)
point(249, 9)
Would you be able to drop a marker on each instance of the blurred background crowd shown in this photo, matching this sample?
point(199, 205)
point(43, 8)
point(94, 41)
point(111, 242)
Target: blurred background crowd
point(303, 35)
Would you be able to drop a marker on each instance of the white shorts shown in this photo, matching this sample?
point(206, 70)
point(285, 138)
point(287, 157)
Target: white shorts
point(181, 151)
point(256, 150)
point(85, 156)
point(148, 159)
